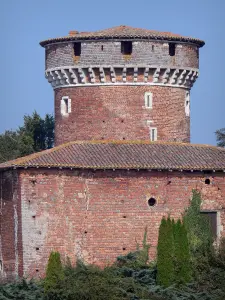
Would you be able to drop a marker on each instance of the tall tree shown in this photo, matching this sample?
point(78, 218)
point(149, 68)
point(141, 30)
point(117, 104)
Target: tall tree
point(35, 135)
point(165, 254)
point(220, 137)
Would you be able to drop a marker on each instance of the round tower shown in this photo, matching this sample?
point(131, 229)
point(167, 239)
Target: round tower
point(122, 83)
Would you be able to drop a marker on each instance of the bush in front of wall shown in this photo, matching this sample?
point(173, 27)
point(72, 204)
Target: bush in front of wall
point(182, 261)
point(54, 279)
point(165, 254)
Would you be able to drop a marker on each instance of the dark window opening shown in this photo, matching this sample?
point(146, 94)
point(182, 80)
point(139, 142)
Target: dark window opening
point(37, 248)
point(153, 48)
point(85, 232)
point(124, 249)
point(66, 105)
point(124, 216)
point(37, 270)
point(77, 49)
point(172, 48)
point(126, 48)
point(123, 138)
point(1, 267)
point(151, 201)
point(102, 47)
point(207, 181)
point(212, 219)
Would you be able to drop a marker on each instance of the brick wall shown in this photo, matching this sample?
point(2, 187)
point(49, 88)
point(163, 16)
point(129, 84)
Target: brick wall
point(118, 112)
point(10, 227)
point(143, 54)
point(96, 216)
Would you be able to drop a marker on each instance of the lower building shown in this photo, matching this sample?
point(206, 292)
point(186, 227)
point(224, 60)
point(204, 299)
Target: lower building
point(93, 200)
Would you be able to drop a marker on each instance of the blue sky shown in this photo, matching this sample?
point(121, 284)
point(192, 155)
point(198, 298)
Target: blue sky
point(24, 23)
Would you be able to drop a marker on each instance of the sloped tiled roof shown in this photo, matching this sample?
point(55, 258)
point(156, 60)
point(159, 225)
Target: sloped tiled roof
point(126, 155)
point(124, 32)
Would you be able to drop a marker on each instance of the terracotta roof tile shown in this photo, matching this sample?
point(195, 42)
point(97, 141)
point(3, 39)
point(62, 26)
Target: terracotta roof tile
point(122, 32)
point(124, 155)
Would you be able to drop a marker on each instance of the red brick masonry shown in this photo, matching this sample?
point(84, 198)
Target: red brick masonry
point(98, 215)
point(118, 113)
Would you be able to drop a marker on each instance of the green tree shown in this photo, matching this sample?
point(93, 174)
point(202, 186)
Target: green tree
point(181, 254)
point(199, 235)
point(220, 137)
point(53, 282)
point(36, 134)
point(165, 254)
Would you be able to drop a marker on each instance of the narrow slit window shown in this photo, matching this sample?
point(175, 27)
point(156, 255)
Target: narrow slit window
point(153, 134)
point(65, 106)
point(77, 49)
point(187, 104)
point(172, 48)
point(126, 48)
point(148, 100)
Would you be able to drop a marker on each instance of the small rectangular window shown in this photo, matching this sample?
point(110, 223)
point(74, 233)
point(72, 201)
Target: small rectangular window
point(148, 100)
point(126, 48)
point(77, 49)
point(212, 218)
point(153, 134)
point(172, 48)
point(65, 106)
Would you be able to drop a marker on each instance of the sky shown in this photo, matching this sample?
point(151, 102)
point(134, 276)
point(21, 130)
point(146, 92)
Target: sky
point(24, 23)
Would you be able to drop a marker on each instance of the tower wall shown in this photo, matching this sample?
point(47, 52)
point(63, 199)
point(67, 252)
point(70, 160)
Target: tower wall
point(119, 113)
point(143, 52)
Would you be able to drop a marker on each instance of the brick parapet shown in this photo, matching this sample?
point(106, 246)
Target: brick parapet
point(144, 52)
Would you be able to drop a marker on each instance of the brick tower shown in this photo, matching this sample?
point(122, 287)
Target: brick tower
point(122, 83)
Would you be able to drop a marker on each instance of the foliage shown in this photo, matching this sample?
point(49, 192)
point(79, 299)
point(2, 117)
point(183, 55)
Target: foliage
point(36, 134)
point(22, 290)
point(199, 236)
point(220, 137)
point(54, 279)
point(165, 254)
point(181, 254)
point(137, 259)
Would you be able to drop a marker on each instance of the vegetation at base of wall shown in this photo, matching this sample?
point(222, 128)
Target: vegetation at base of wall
point(165, 254)
point(22, 290)
point(182, 259)
point(54, 280)
point(173, 255)
point(35, 135)
point(199, 237)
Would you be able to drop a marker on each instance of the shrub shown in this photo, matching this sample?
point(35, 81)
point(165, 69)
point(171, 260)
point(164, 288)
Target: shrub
point(53, 282)
point(165, 254)
point(199, 236)
point(181, 254)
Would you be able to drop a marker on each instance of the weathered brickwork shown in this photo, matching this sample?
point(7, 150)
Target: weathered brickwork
point(119, 113)
point(96, 216)
point(143, 53)
point(10, 230)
